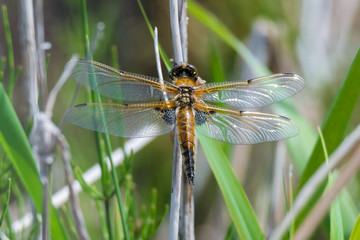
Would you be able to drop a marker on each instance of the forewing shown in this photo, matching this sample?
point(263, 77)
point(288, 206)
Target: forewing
point(124, 120)
point(243, 127)
point(254, 93)
point(120, 85)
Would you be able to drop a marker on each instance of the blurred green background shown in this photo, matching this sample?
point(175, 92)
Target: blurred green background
point(315, 39)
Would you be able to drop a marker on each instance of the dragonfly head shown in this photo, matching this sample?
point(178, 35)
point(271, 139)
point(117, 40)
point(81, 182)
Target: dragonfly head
point(183, 70)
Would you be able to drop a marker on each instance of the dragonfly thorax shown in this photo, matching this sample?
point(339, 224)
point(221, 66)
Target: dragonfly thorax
point(185, 97)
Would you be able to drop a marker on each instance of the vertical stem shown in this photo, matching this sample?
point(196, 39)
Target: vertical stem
point(175, 31)
point(96, 98)
point(39, 28)
point(188, 208)
point(175, 191)
point(187, 211)
point(74, 201)
point(29, 53)
point(183, 21)
point(27, 30)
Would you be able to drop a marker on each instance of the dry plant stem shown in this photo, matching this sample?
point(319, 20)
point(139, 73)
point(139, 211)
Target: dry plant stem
point(183, 28)
point(90, 176)
point(39, 28)
point(64, 76)
point(175, 31)
point(74, 201)
point(310, 187)
point(29, 53)
point(27, 30)
point(177, 163)
point(277, 191)
point(158, 62)
point(175, 191)
point(187, 211)
point(322, 206)
point(187, 205)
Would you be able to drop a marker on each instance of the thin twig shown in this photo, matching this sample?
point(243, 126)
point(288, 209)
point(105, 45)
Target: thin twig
point(64, 76)
point(314, 182)
point(175, 191)
point(74, 201)
point(27, 30)
point(158, 62)
point(322, 206)
point(187, 208)
point(175, 31)
point(280, 161)
point(183, 21)
point(40, 38)
point(90, 176)
point(29, 53)
point(177, 163)
point(186, 230)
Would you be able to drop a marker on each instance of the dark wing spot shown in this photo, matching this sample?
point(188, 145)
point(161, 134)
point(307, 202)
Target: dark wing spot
point(212, 112)
point(168, 115)
point(81, 105)
point(249, 81)
point(200, 117)
point(285, 118)
point(121, 72)
point(126, 105)
point(241, 112)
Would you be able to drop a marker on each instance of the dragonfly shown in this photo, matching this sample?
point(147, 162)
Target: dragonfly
point(150, 107)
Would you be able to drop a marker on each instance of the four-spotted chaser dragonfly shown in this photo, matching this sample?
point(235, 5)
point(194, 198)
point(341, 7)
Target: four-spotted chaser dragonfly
point(151, 108)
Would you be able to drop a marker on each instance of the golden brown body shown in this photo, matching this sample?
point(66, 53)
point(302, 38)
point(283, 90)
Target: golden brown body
point(185, 123)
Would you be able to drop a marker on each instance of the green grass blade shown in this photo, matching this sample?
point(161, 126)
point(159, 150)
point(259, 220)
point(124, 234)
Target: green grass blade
point(236, 201)
point(336, 224)
point(216, 67)
point(10, 51)
point(96, 98)
point(15, 143)
point(355, 234)
point(210, 21)
point(6, 204)
point(334, 129)
point(337, 120)
point(163, 55)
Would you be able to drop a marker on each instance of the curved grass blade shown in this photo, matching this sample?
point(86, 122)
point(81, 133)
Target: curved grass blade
point(334, 128)
point(355, 234)
point(210, 21)
point(15, 143)
point(161, 50)
point(236, 201)
point(336, 224)
point(337, 120)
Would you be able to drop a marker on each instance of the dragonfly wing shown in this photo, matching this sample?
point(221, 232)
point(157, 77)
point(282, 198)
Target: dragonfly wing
point(124, 120)
point(243, 127)
point(120, 85)
point(253, 93)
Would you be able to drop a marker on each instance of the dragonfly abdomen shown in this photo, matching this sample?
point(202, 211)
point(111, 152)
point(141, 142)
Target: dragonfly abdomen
point(186, 131)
